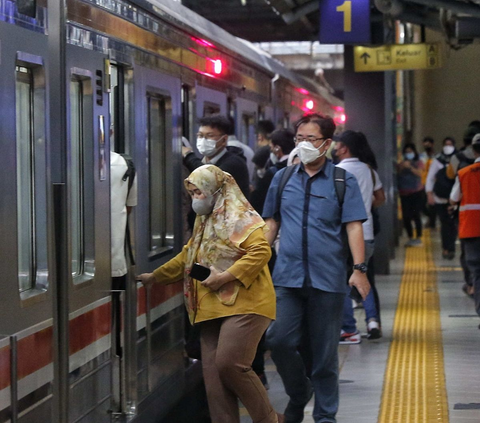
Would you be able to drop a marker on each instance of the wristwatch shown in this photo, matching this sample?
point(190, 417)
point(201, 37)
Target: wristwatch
point(362, 267)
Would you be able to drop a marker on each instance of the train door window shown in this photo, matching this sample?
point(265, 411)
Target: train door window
point(161, 217)
point(187, 112)
point(248, 128)
point(31, 176)
point(210, 109)
point(261, 112)
point(119, 108)
point(81, 179)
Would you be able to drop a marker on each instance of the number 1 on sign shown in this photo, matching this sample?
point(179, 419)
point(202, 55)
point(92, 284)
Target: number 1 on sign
point(346, 9)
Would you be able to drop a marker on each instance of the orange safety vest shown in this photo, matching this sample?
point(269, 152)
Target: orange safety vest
point(469, 216)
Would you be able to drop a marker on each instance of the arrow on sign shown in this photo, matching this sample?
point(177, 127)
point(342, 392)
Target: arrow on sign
point(365, 56)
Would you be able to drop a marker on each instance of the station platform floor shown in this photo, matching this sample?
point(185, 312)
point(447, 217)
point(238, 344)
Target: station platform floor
point(426, 367)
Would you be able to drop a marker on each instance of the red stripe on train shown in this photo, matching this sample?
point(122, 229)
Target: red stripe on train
point(4, 367)
point(34, 352)
point(89, 327)
point(160, 294)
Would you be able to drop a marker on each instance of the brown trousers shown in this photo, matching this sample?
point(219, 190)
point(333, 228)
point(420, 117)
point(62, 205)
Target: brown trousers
point(228, 348)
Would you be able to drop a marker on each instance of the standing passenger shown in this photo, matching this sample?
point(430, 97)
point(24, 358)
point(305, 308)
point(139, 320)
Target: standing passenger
point(212, 144)
point(236, 303)
point(411, 193)
point(310, 272)
point(428, 156)
point(123, 197)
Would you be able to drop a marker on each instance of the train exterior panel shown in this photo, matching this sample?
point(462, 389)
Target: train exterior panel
point(138, 76)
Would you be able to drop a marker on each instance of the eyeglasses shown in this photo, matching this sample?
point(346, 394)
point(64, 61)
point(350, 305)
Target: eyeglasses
point(309, 139)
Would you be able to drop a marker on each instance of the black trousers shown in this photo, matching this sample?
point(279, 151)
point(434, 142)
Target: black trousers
point(412, 206)
point(448, 226)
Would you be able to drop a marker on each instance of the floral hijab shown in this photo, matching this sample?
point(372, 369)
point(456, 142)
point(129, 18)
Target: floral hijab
point(217, 236)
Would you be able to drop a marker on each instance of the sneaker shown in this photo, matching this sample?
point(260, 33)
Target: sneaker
point(350, 338)
point(450, 255)
point(373, 330)
point(294, 413)
point(409, 243)
point(417, 242)
point(468, 290)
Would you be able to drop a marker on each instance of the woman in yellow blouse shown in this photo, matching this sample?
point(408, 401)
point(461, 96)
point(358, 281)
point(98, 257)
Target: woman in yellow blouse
point(236, 303)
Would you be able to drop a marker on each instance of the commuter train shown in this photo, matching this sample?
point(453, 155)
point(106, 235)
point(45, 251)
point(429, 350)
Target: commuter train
point(137, 77)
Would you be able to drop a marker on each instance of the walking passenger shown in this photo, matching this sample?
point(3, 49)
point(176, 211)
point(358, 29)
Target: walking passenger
point(428, 156)
point(212, 144)
point(350, 150)
point(411, 193)
point(310, 271)
point(467, 191)
point(438, 188)
point(460, 160)
point(235, 304)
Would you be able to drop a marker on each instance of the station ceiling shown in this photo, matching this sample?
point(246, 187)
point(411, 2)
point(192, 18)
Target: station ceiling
point(298, 20)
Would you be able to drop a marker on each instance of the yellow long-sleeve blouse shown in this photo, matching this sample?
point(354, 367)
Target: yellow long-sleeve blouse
point(256, 294)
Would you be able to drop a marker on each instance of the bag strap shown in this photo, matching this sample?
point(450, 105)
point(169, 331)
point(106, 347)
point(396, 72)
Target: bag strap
point(286, 175)
point(340, 184)
point(130, 175)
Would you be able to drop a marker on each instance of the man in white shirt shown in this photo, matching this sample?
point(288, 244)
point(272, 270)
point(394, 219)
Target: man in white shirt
point(123, 196)
point(349, 150)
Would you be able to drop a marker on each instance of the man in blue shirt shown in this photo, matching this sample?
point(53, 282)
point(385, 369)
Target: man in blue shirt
point(310, 271)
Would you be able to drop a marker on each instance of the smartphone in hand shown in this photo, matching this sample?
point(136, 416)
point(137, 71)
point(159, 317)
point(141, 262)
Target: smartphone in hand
point(355, 295)
point(199, 272)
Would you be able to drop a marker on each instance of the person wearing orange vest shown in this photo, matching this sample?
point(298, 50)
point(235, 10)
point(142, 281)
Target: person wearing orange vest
point(467, 191)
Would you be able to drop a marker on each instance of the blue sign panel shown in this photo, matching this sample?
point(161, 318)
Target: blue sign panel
point(345, 21)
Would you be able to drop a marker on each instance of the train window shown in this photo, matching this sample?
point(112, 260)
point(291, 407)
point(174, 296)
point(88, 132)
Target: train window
point(187, 114)
point(161, 225)
point(248, 128)
point(210, 109)
point(31, 177)
point(81, 179)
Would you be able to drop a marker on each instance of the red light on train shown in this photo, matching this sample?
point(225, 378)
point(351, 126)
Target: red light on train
point(309, 104)
point(217, 67)
point(203, 42)
point(343, 118)
point(303, 91)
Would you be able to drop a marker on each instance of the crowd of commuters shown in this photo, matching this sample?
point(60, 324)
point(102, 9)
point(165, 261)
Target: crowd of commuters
point(450, 183)
point(296, 299)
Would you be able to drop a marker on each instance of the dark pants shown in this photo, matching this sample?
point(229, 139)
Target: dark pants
point(463, 262)
point(118, 283)
point(412, 206)
point(448, 227)
point(472, 257)
point(323, 313)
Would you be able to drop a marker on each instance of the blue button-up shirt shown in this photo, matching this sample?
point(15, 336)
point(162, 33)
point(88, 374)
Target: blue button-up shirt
point(312, 248)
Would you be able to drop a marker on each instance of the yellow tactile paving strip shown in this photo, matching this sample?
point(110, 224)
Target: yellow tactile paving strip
point(414, 387)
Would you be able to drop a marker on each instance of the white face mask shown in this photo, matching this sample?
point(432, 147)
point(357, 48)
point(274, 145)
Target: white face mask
point(207, 147)
point(448, 150)
point(273, 158)
point(308, 153)
point(409, 156)
point(203, 206)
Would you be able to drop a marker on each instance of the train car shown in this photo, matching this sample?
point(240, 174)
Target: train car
point(137, 77)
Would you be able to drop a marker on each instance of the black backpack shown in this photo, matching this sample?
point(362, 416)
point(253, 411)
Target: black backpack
point(463, 161)
point(443, 184)
point(339, 181)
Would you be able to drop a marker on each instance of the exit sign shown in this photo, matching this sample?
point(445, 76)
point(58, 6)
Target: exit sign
point(345, 21)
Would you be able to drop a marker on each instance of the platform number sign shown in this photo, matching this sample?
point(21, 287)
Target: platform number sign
point(345, 21)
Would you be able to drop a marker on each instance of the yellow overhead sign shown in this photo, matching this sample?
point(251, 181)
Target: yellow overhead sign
point(397, 57)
